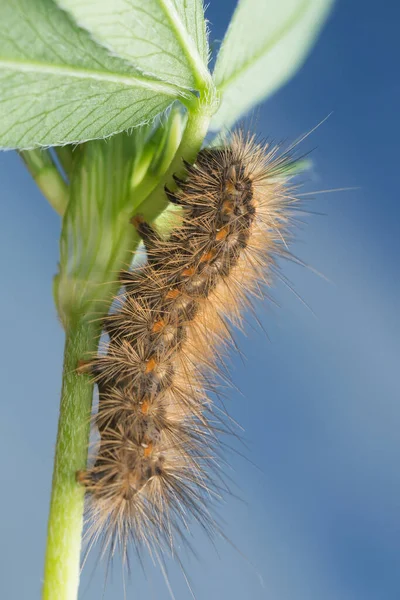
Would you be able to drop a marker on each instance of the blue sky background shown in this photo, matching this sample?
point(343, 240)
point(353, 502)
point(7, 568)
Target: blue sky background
point(320, 520)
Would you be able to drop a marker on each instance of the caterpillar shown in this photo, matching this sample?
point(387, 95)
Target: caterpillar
point(156, 466)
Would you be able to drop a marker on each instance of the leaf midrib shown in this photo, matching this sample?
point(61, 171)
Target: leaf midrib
point(84, 74)
point(199, 69)
point(284, 30)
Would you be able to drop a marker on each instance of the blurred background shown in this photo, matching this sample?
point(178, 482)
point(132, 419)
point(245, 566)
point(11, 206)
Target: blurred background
point(319, 514)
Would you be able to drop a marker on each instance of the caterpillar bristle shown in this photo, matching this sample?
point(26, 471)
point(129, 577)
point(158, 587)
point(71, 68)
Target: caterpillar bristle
point(178, 180)
point(171, 196)
point(155, 466)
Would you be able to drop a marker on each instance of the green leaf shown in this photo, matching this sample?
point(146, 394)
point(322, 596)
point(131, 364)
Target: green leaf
point(166, 38)
point(266, 43)
point(96, 236)
point(58, 86)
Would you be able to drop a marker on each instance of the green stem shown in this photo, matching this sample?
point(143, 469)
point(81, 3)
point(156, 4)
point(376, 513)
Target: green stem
point(62, 563)
point(66, 158)
point(192, 140)
point(48, 178)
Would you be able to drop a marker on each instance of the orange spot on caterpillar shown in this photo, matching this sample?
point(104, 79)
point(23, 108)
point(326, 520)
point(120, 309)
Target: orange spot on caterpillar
point(145, 407)
point(137, 220)
point(81, 477)
point(172, 294)
point(230, 187)
point(227, 207)
point(84, 366)
point(150, 365)
point(222, 233)
point(207, 256)
point(148, 449)
point(188, 272)
point(158, 326)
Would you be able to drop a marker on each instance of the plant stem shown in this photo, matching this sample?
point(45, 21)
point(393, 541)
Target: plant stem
point(66, 158)
point(192, 139)
point(62, 563)
point(48, 178)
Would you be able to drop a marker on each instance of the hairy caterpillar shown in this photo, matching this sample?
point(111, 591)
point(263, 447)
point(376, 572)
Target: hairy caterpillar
point(156, 462)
